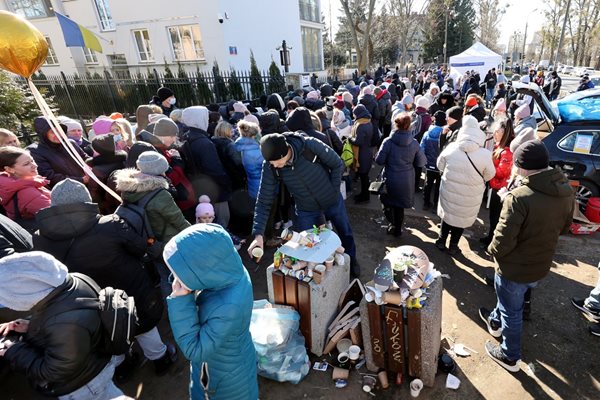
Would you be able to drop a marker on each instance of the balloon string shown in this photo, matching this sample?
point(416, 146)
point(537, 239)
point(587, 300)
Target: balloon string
point(64, 140)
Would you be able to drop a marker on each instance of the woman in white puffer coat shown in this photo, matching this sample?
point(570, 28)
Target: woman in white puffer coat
point(463, 182)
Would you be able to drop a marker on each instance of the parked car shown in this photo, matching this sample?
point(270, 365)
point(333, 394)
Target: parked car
point(595, 80)
point(588, 71)
point(567, 69)
point(573, 141)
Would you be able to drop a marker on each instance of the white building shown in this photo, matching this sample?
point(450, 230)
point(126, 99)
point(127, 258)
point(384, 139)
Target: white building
point(137, 35)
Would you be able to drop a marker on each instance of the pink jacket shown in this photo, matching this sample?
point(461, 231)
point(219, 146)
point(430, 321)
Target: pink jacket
point(31, 194)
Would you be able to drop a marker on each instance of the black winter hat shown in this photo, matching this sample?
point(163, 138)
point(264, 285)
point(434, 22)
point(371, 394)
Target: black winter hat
point(440, 118)
point(42, 126)
point(273, 146)
point(455, 112)
point(104, 145)
point(531, 155)
point(164, 93)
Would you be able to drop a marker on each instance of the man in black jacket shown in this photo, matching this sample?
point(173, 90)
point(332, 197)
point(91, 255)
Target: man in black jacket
point(61, 353)
point(312, 173)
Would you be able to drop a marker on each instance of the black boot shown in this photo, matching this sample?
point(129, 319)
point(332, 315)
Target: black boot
point(162, 365)
point(125, 370)
point(398, 221)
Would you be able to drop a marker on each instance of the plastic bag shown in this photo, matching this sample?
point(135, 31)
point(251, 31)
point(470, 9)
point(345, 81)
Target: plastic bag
point(279, 346)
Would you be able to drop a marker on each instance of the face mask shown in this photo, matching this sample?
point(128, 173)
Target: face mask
point(172, 101)
point(117, 138)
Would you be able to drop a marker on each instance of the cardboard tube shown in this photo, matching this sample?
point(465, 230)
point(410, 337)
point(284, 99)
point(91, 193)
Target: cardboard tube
point(392, 297)
point(383, 379)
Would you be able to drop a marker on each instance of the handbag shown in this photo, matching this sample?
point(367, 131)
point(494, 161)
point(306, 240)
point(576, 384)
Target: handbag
point(378, 185)
point(471, 161)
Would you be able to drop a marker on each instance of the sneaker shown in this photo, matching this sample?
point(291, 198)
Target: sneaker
point(277, 225)
point(493, 327)
point(163, 364)
point(441, 244)
point(495, 352)
point(379, 221)
point(595, 329)
point(580, 304)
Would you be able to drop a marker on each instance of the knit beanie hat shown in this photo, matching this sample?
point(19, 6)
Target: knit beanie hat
point(423, 102)
point(299, 100)
point(407, 100)
point(251, 118)
point(102, 125)
point(176, 114)
point(42, 126)
point(71, 125)
point(165, 127)
point(313, 95)
point(339, 104)
point(239, 107)
point(152, 163)
point(531, 155)
point(523, 111)
point(455, 113)
point(104, 145)
point(30, 277)
point(367, 90)
point(500, 105)
point(164, 93)
point(440, 118)
point(154, 118)
point(273, 146)
point(347, 97)
point(115, 116)
point(204, 208)
point(69, 191)
point(471, 102)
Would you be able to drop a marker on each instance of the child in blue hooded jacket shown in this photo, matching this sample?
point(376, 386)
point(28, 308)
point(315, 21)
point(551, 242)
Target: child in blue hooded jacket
point(430, 144)
point(210, 310)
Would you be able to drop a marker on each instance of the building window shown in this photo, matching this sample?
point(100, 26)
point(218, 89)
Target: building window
point(309, 10)
point(31, 9)
point(117, 60)
point(186, 42)
point(311, 49)
point(142, 41)
point(90, 56)
point(51, 59)
point(104, 15)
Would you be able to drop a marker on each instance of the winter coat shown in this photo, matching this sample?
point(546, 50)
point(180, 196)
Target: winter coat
point(212, 325)
point(453, 130)
point(426, 122)
point(275, 103)
point(211, 177)
point(478, 112)
point(53, 161)
point(533, 216)
point(527, 122)
point(315, 186)
point(231, 160)
point(503, 165)
point(183, 193)
point(271, 122)
point(102, 167)
point(300, 121)
point(361, 137)
point(399, 154)
point(462, 187)
point(430, 146)
point(438, 106)
point(252, 160)
point(104, 248)
point(369, 101)
point(13, 238)
point(336, 143)
point(31, 195)
point(164, 216)
point(61, 352)
point(384, 104)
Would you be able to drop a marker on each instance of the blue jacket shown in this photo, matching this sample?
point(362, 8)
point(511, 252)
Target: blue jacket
point(430, 145)
point(399, 154)
point(253, 160)
point(315, 186)
point(212, 325)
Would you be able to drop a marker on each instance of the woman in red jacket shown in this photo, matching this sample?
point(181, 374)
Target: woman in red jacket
point(20, 182)
point(503, 160)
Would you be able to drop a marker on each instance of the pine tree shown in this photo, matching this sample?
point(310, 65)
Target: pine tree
point(205, 95)
point(276, 81)
point(219, 86)
point(256, 83)
point(185, 95)
point(236, 92)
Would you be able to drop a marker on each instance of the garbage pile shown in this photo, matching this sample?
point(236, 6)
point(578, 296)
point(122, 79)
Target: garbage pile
point(279, 345)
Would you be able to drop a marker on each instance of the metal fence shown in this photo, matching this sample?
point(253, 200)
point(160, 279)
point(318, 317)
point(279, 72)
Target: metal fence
point(89, 96)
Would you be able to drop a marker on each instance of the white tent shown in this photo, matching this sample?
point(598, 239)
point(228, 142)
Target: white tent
point(478, 58)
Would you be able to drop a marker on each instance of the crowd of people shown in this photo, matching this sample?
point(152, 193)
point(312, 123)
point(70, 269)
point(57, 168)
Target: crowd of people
point(290, 161)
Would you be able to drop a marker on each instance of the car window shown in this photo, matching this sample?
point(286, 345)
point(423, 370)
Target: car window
point(583, 142)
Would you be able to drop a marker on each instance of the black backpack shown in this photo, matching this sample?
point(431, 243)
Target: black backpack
point(135, 216)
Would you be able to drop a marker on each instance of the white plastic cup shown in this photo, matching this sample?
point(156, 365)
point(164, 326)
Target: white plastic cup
point(257, 253)
point(415, 387)
point(354, 352)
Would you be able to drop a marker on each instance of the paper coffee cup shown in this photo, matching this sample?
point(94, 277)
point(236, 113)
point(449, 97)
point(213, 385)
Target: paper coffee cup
point(257, 253)
point(354, 352)
point(415, 387)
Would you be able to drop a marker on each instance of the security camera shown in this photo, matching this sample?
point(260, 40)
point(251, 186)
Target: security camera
point(221, 19)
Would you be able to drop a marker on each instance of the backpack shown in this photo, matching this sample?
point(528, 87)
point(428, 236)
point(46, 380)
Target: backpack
point(347, 155)
point(117, 313)
point(135, 216)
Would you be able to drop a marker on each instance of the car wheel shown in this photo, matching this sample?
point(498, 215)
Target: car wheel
point(585, 190)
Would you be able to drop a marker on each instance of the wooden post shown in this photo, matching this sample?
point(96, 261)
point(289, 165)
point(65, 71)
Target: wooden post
point(377, 340)
point(394, 331)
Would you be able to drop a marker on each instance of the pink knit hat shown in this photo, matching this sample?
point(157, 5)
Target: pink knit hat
point(204, 208)
point(313, 95)
point(102, 125)
point(500, 105)
point(523, 111)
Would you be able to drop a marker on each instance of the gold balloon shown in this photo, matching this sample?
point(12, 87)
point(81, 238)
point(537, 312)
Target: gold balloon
point(23, 48)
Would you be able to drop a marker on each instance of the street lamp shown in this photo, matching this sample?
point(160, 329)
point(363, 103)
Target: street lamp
point(446, 34)
point(525, 35)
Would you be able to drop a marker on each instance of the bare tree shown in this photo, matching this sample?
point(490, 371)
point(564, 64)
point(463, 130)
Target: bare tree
point(406, 24)
point(489, 16)
point(360, 44)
